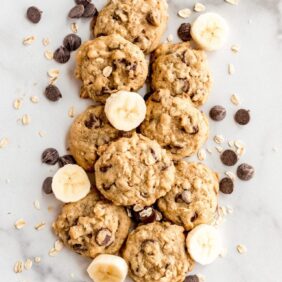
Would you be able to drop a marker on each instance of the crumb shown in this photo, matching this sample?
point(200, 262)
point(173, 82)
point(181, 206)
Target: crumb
point(241, 249)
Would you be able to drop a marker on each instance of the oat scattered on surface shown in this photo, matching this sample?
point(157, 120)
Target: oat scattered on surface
point(184, 13)
point(235, 48)
point(34, 99)
point(58, 245)
point(231, 144)
point(26, 119)
point(4, 142)
point(28, 264)
point(45, 41)
point(41, 133)
point(19, 267)
point(235, 100)
point(36, 204)
point(199, 7)
point(201, 155)
point(219, 149)
point(49, 55)
point(37, 259)
point(231, 69)
point(71, 112)
point(219, 139)
point(40, 225)
point(232, 2)
point(170, 38)
point(74, 27)
point(53, 252)
point(20, 223)
point(229, 209)
point(240, 147)
point(17, 104)
point(209, 150)
point(241, 249)
point(230, 174)
point(52, 73)
point(28, 40)
point(107, 71)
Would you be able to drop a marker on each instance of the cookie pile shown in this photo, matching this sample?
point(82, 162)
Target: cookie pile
point(145, 197)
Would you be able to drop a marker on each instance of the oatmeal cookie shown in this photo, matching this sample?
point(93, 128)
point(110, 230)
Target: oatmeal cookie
point(133, 171)
point(108, 64)
point(183, 70)
point(175, 124)
point(141, 22)
point(156, 252)
point(92, 226)
point(193, 199)
point(89, 131)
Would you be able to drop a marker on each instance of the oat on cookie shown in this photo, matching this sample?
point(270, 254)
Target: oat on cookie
point(183, 70)
point(89, 131)
point(142, 22)
point(133, 171)
point(175, 124)
point(108, 64)
point(92, 226)
point(156, 252)
point(193, 199)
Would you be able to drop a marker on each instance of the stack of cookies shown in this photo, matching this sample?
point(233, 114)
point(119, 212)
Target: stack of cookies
point(145, 198)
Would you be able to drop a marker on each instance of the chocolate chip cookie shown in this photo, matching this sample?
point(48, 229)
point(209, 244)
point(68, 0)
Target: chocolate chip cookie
point(183, 70)
point(156, 252)
point(89, 131)
point(142, 22)
point(92, 226)
point(108, 64)
point(133, 171)
point(175, 124)
point(194, 197)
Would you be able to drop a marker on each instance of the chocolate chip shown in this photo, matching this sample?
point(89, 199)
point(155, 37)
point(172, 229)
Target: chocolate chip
point(152, 18)
point(47, 185)
point(72, 42)
point(186, 86)
point(89, 11)
point(146, 215)
point(154, 154)
point(105, 168)
point(50, 156)
point(192, 278)
point(33, 14)
point(147, 96)
point(83, 2)
point(103, 237)
point(53, 93)
point(226, 185)
point(245, 172)
point(79, 248)
point(65, 160)
point(194, 217)
point(76, 12)
point(242, 116)
point(62, 55)
point(229, 157)
point(217, 113)
point(92, 121)
point(184, 32)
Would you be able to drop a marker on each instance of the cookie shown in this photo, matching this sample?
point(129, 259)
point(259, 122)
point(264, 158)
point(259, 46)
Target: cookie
point(193, 199)
point(108, 64)
point(89, 131)
point(92, 226)
point(141, 22)
point(182, 70)
point(133, 171)
point(175, 124)
point(156, 252)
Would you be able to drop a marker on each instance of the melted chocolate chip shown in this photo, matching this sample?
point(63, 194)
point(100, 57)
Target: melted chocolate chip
point(65, 160)
point(194, 217)
point(152, 18)
point(229, 158)
point(103, 237)
point(245, 172)
point(50, 156)
point(33, 14)
point(184, 32)
point(92, 121)
point(226, 185)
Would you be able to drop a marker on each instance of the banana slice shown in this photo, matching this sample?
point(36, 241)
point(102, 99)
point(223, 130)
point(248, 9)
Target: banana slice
point(70, 184)
point(204, 244)
point(125, 110)
point(108, 268)
point(210, 31)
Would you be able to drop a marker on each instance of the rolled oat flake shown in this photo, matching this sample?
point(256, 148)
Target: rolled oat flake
point(245, 172)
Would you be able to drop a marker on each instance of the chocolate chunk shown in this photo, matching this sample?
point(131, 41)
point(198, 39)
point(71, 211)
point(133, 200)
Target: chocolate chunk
point(105, 168)
point(103, 237)
point(184, 32)
point(65, 160)
point(33, 14)
point(242, 116)
point(245, 172)
point(47, 185)
point(229, 157)
point(194, 217)
point(53, 93)
point(50, 156)
point(226, 185)
point(76, 12)
point(83, 2)
point(146, 215)
point(79, 248)
point(192, 278)
point(72, 42)
point(147, 96)
point(217, 113)
point(89, 11)
point(152, 18)
point(62, 55)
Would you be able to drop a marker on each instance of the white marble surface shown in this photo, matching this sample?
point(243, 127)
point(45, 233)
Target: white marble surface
point(256, 25)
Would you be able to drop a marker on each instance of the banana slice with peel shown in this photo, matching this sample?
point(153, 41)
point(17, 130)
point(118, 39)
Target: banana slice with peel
point(210, 31)
point(108, 268)
point(125, 110)
point(204, 244)
point(70, 184)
